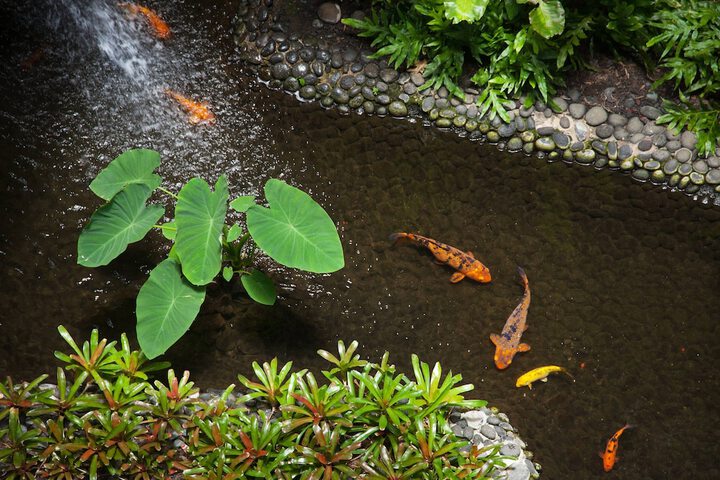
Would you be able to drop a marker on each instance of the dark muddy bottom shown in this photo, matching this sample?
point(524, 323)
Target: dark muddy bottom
point(624, 276)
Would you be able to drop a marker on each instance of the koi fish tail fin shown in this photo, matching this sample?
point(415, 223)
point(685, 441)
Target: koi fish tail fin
point(568, 374)
point(523, 276)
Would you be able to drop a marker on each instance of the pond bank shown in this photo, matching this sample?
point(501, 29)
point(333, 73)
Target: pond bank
point(334, 68)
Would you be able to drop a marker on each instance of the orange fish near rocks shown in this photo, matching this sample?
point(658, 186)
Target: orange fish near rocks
point(162, 30)
point(507, 344)
point(609, 456)
point(464, 262)
point(198, 112)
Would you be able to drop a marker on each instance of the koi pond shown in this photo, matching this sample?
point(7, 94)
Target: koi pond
point(624, 276)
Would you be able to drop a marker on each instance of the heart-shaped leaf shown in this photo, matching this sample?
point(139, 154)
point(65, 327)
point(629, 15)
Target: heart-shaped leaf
point(200, 216)
point(295, 231)
point(260, 287)
point(130, 167)
point(166, 306)
point(241, 204)
point(124, 220)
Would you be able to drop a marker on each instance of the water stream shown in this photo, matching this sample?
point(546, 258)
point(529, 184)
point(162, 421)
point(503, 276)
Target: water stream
point(624, 277)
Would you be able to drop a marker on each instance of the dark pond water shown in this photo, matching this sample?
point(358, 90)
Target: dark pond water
point(624, 277)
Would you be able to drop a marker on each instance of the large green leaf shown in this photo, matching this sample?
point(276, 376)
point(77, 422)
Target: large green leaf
point(465, 10)
point(166, 307)
point(130, 167)
point(548, 18)
point(200, 216)
point(260, 287)
point(295, 231)
point(124, 220)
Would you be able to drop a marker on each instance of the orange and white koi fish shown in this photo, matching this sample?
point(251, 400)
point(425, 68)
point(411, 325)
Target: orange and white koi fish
point(162, 30)
point(464, 262)
point(199, 112)
point(507, 344)
point(609, 456)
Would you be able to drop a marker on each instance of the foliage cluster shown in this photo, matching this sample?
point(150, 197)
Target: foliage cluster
point(295, 231)
point(523, 47)
point(105, 417)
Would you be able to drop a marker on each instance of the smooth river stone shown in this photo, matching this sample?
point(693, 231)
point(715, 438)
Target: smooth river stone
point(585, 156)
point(595, 116)
point(545, 144)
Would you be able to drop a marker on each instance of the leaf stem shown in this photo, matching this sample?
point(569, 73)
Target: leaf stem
point(168, 192)
point(165, 227)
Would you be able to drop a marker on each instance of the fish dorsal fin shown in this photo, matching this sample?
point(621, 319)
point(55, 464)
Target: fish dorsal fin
point(495, 338)
point(523, 347)
point(470, 254)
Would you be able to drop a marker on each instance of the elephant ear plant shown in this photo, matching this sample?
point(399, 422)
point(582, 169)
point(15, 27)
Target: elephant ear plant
point(295, 231)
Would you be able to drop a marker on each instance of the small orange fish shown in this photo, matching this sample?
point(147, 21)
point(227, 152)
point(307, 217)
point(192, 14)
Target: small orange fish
point(609, 456)
point(199, 112)
point(162, 30)
point(507, 344)
point(464, 262)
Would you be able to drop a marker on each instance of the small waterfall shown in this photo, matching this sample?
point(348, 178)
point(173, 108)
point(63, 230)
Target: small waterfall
point(110, 29)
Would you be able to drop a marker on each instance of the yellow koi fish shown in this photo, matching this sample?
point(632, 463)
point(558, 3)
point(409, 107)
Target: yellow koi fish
point(464, 262)
point(541, 373)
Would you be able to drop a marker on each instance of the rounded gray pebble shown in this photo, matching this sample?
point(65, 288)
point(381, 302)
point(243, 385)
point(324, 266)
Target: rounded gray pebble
point(280, 71)
point(713, 162)
point(634, 125)
point(368, 106)
point(683, 155)
point(620, 133)
point(561, 140)
point(673, 146)
point(604, 130)
point(506, 130)
point(340, 95)
point(308, 92)
point(397, 109)
point(564, 122)
point(560, 104)
point(645, 145)
point(641, 174)
point(650, 112)
point(545, 144)
point(510, 450)
point(652, 165)
point(670, 166)
point(617, 120)
point(383, 99)
point(659, 139)
point(688, 139)
point(488, 432)
point(514, 144)
point(493, 420)
point(685, 169)
point(427, 104)
point(585, 156)
point(596, 115)
point(493, 136)
point(713, 177)
point(577, 110)
point(700, 166)
point(657, 176)
point(697, 178)
point(661, 155)
point(545, 131)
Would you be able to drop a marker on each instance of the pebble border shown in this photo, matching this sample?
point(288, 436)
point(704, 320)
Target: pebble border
point(349, 80)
